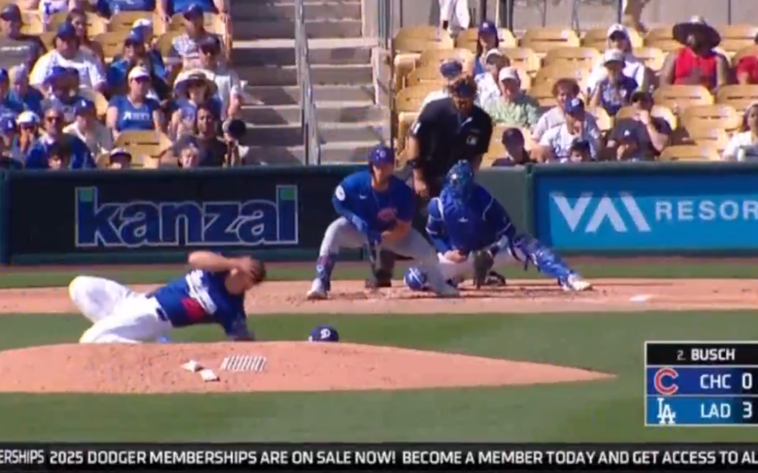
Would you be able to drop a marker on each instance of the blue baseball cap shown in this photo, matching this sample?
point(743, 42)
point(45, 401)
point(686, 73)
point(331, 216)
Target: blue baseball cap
point(381, 155)
point(574, 105)
point(135, 38)
point(512, 137)
point(66, 31)
point(487, 27)
point(451, 69)
point(11, 12)
point(324, 333)
point(4, 77)
point(57, 72)
point(194, 10)
point(7, 125)
point(84, 106)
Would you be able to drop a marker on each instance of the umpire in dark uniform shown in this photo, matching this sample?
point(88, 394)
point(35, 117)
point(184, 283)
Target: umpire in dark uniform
point(447, 130)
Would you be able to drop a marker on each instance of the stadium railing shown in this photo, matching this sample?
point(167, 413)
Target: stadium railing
point(308, 112)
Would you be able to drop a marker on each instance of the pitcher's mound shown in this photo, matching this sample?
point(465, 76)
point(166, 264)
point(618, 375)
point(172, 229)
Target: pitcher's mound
point(290, 366)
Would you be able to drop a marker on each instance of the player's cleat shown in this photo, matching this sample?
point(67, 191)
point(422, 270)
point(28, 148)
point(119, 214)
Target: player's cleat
point(319, 290)
point(383, 279)
point(163, 339)
point(575, 283)
point(446, 290)
point(495, 279)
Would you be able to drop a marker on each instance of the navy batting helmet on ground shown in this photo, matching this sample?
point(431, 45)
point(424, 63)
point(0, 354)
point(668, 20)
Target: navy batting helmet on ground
point(324, 333)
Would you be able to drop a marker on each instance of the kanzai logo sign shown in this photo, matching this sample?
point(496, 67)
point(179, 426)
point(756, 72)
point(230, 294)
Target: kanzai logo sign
point(139, 224)
point(597, 210)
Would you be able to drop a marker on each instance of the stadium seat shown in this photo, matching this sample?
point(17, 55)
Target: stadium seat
point(32, 23)
point(701, 135)
point(585, 57)
point(424, 75)
point(543, 93)
point(523, 59)
point(47, 38)
point(147, 143)
point(736, 37)
point(407, 105)
point(679, 97)
point(746, 51)
point(604, 121)
point(468, 39)
point(662, 38)
point(578, 72)
point(112, 43)
point(212, 22)
point(542, 40)
point(407, 49)
point(598, 39)
point(163, 43)
point(125, 19)
point(690, 153)
point(435, 57)
point(719, 116)
point(653, 58)
point(658, 111)
point(738, 96)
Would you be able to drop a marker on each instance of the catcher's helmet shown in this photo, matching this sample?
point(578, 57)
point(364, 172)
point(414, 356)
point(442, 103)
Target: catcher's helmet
point(460, 181)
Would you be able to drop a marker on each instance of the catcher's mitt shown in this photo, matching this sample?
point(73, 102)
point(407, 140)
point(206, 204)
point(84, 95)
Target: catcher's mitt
point(483, 262)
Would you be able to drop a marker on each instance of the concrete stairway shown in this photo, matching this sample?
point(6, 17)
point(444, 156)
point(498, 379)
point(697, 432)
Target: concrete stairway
point(340, 58)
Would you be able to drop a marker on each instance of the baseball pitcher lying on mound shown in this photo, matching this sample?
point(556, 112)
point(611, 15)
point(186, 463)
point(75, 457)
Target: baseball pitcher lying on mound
point(213, 292)
point(473, 233)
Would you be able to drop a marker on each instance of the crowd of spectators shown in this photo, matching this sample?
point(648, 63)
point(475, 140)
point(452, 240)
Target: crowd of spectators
point(69, 106)
point(618, 88)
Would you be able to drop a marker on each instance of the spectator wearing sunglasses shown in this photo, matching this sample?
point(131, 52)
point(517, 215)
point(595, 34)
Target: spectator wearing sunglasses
point(135, 111)
point(28, 133)
point(54, 141)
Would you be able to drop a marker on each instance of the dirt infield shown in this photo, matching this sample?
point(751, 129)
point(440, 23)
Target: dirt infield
point(302, 366)
point(349, 297)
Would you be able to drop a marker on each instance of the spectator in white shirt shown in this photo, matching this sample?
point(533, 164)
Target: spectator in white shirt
point(228, 88)
point(87, 128)
point(449, 70)
point(454, 16)
point(743, 146)
point(556, 143)
point(487, 82)
point(618, 38)
point(564, 90)
point(68, 55)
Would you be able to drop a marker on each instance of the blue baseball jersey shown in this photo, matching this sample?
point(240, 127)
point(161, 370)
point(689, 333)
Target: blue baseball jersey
point(480, 223)
point(354, 197)
point(32, 100)
point(133, 116)
point(201, 297)
point(81, 156)
point(180, 6)
point(10, 107)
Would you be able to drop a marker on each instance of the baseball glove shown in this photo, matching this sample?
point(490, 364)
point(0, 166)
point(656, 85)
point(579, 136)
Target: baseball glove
point(483, 262)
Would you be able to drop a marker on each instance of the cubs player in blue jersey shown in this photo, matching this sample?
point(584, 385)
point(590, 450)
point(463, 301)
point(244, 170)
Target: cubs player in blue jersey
point(376, 209)
point(213, 292)
point(465, 219)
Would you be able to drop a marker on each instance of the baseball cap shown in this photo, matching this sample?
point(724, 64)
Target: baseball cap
point(451, 69)
point(7, 124)
point(617, 28)
point(613, 55)
point(11, 12)
point(381, 155)
point(138, 73)
point(116, 152)
point(84, 106)
point(57, 72)
point(492, 52)
point(135, 37)
point(508, 73)
point(65, 31)
point(487, 27)
point(194, 10)
point(142, 23)
point(512, 137)
point(27, 118)
point(234, 127)
point(574, 105)
point(324, 333)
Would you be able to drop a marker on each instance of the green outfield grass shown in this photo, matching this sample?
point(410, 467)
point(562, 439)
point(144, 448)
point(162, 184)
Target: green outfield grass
point(597, 411)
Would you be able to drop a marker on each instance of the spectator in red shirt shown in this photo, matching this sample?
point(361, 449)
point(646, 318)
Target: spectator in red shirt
point(747, 68)
point(698, 62)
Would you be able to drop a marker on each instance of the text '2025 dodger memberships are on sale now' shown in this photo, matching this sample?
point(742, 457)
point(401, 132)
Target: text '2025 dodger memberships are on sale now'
point(135, 224)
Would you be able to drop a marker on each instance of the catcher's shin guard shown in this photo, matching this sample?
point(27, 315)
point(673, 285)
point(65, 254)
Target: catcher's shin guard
point(544, 259)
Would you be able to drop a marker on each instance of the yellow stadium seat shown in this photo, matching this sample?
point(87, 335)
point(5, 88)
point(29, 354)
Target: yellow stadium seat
point(604, 121)
point(736, 37)
point(125, 19)
point(679, 97)
point(653, 58)
point(543, 93)
point(738, 96)
point(95, 24)
point(422, 32)
point(523, 59)
point(434, 57)
point(542, 40)
point(32, 23)
point(701, 135)
point(407, 105)
point(211, 21)
point(149, 143)
point(575, 56)
point(425, 75)
point(468, 39)
point(658, 111)
point(163, 43)
point(690, 153)
point(550, 74)
point(718, 116)
point(597, 38)
point(407, 49)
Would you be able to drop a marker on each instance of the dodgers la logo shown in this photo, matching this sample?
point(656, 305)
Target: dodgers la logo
point(665, 415)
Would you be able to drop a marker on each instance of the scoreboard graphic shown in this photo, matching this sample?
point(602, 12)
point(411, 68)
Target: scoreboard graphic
point(702, 384)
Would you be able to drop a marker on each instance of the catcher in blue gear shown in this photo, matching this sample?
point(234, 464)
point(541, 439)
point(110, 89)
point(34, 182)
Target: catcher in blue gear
point(473, 233)
point(375, 209)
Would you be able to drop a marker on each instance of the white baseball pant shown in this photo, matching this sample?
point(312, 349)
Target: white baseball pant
point(465, 270)
point(119, 315)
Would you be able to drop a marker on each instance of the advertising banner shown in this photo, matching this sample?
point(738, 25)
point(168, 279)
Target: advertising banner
point(639, 209)
point(103, 213)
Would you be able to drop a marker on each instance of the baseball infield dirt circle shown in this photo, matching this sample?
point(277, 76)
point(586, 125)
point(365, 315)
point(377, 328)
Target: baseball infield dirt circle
point(290, 366)
point(294, 366)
